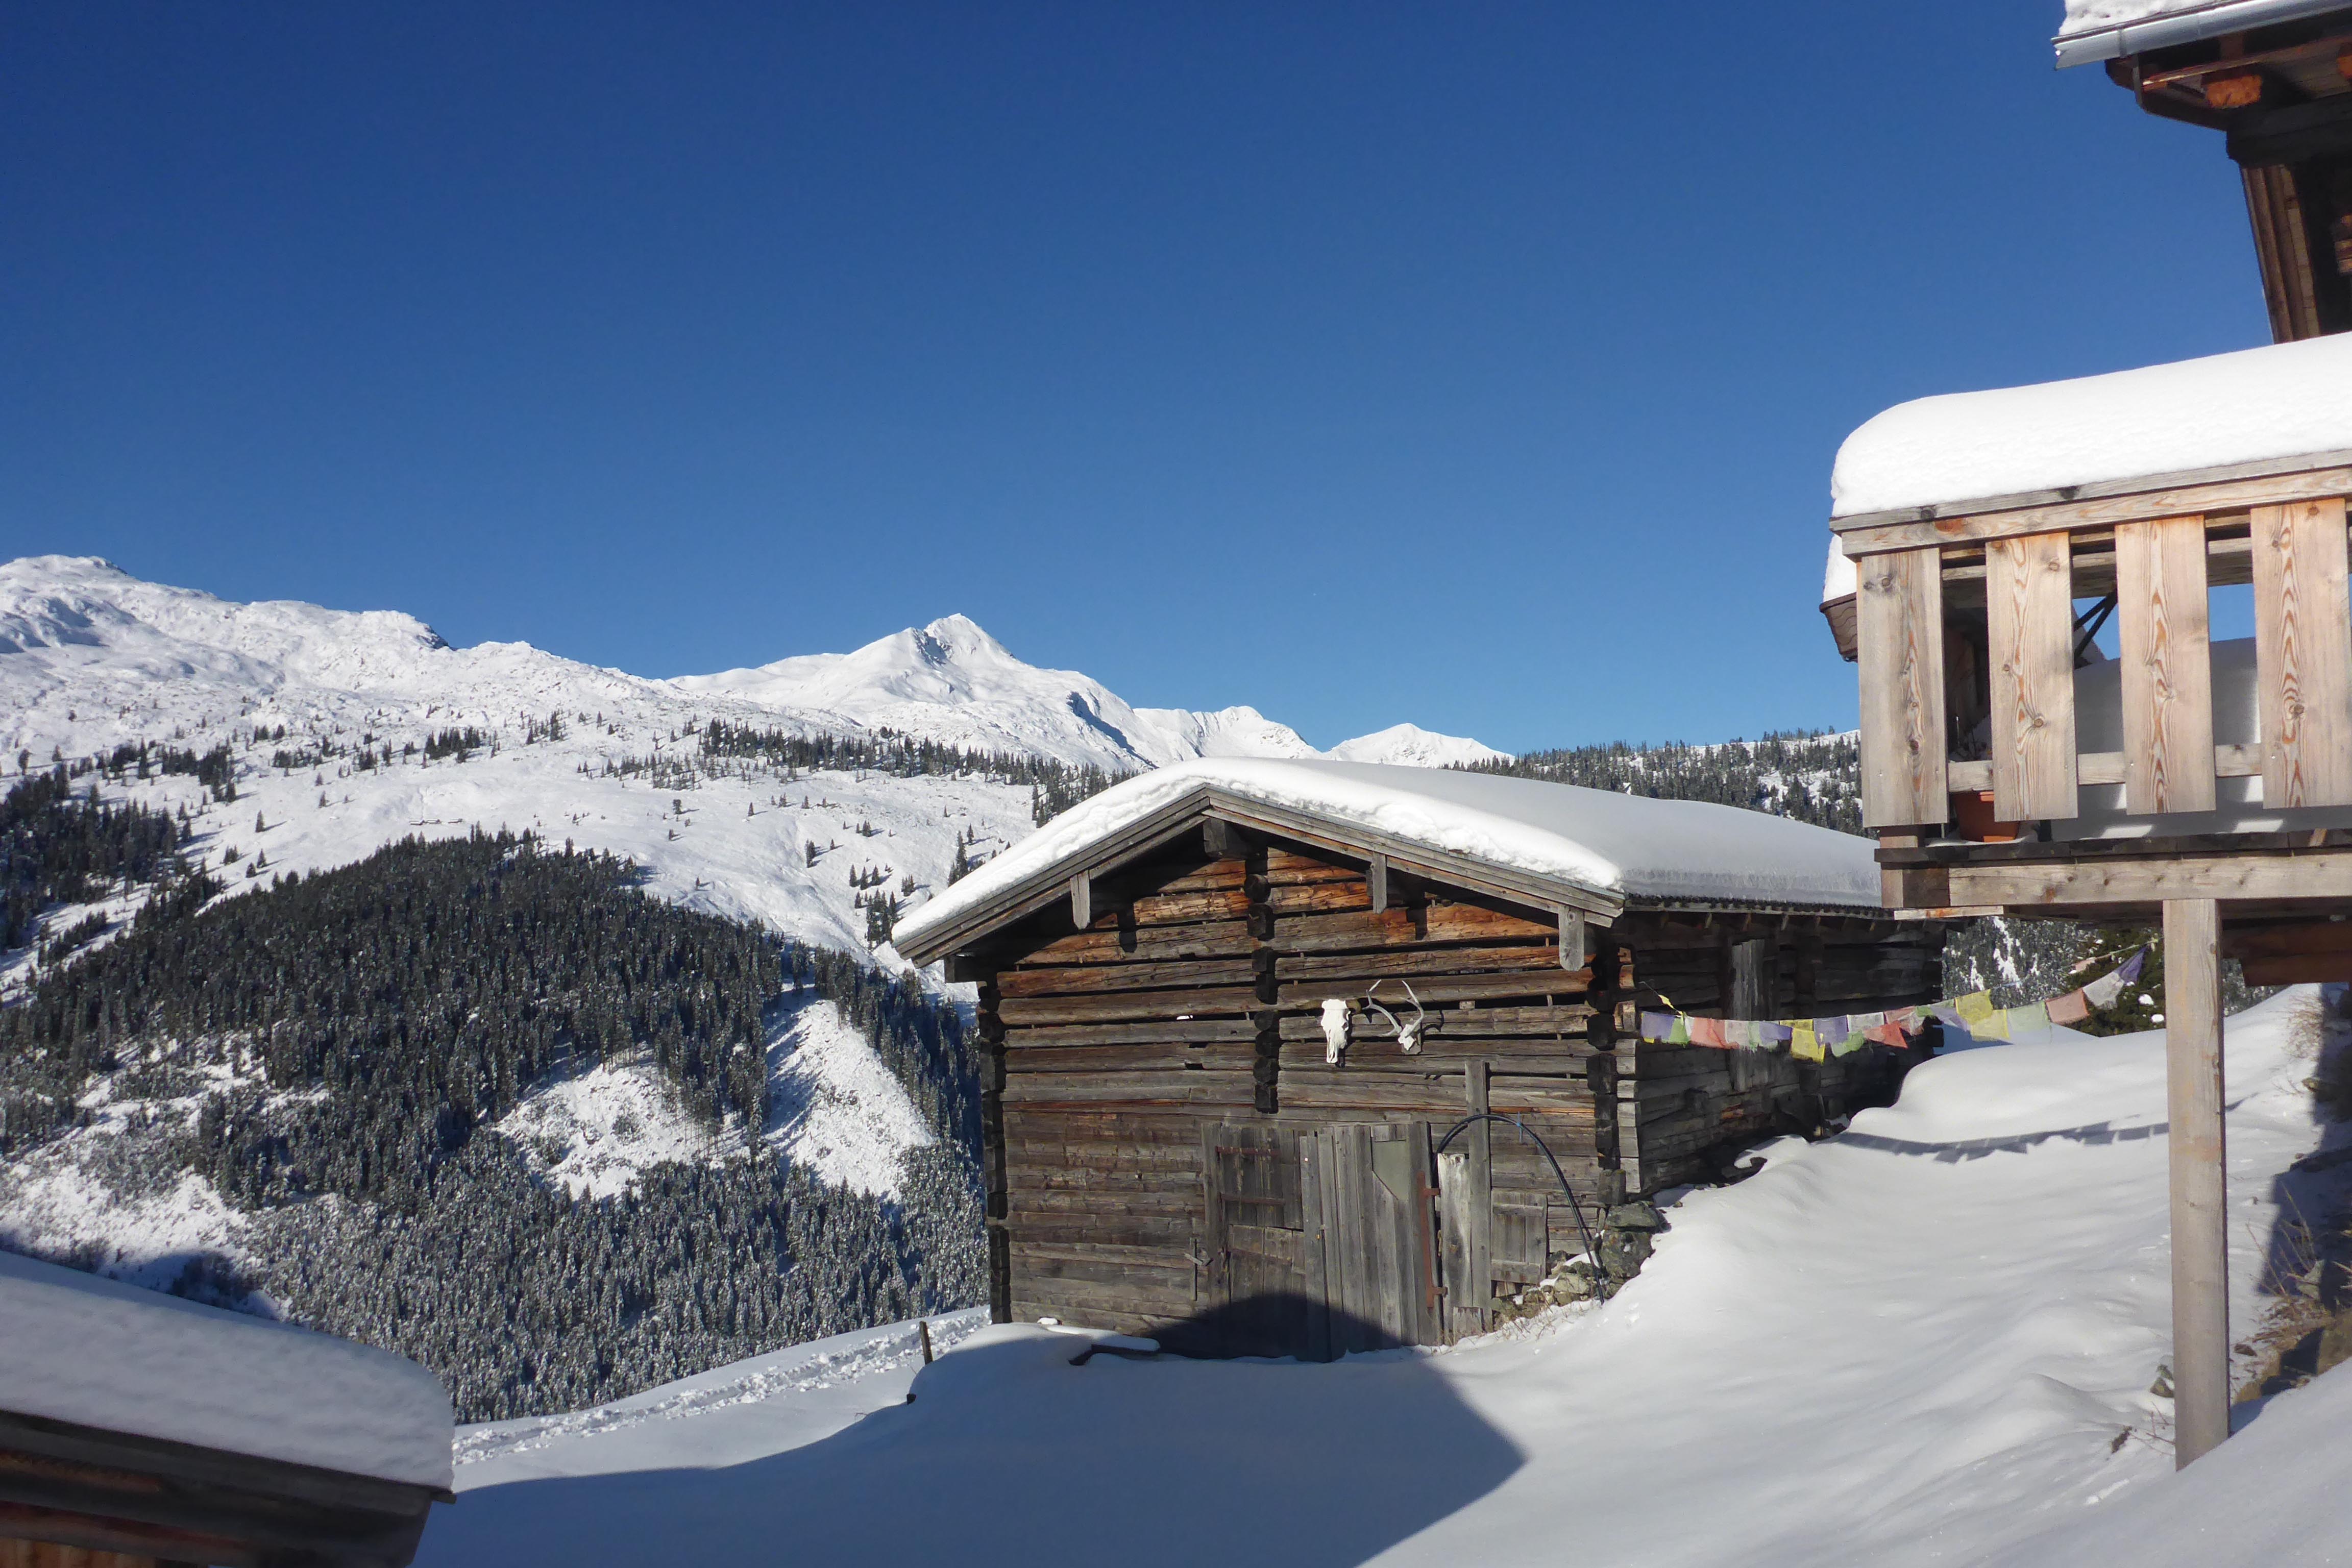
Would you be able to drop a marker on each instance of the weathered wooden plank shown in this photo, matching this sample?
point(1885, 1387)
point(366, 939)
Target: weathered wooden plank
point(1376, 882)
point(1478, 1294)
point(1205, 1088)
point(1899, 616)
point(1134, 975)
point(1441, 1055)
point(1437, 988)
point(2303, 648)
point(1314, 1249)
point(1114, 1006)
point(1157, 1031)
point(1862, 538)
point(1171, 1056)
point(1319, 1088)
point(1203, 938)
point(2029, 600)
point(2045, 884)
point(1414, 963)
point(2162, 603)
point(1548, 1021)
point(1398, 926)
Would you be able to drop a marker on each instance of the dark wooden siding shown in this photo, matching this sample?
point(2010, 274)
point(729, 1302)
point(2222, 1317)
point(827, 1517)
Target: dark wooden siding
point(1191, 999)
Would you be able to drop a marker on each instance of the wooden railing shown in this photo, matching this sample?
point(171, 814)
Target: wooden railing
point(2159, 554)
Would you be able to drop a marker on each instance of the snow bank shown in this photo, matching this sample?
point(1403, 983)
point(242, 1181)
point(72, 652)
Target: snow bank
point(2271, 1496)
point(1627, 845)
point(1926, 1342)
point(81, 1349)
point(2283, 400)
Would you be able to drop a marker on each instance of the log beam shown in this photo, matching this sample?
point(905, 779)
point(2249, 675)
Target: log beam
point(2201, 1253)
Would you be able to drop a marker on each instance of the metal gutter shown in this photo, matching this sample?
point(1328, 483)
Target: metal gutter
point(2185, 25)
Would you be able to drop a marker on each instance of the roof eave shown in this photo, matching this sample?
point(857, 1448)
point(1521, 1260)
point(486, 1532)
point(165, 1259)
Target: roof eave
point(2206, 21)
point(1051, 881)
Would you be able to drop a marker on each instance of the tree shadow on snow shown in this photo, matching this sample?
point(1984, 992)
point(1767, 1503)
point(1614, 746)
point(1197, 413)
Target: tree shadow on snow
point(1011, 1454)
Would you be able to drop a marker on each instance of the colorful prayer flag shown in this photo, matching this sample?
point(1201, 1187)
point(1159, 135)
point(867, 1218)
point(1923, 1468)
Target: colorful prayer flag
point(1707, 1032)
point(2071, 1009)
point(1976, 1008)
point(1805, 1041)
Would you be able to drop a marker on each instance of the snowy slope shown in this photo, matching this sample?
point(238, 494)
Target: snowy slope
point(91, 659)
point(1926, 1341)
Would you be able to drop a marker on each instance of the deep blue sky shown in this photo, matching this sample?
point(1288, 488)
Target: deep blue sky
point(1480, 365)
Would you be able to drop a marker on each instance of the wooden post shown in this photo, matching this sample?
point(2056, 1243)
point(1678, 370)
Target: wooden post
point(1376, 876)
point(1899, 619)
point(1571, 939)
point(2201, 1255)
point(1479, 1282)
point(1082, 900)
point(2302, 651)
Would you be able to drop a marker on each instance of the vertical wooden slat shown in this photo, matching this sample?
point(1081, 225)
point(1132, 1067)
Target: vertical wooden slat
point(1376, 876)
point(1899, 620)
point(1571, 939)
point(1314, 1266)
point(1082, 900)
point(2200, 1241)
point(2303, 644)
point(1428, 1328)
point(2161, 604)
point(1478, 1281)
point(2029, 595)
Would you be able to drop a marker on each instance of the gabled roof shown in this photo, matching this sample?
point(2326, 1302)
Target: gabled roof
point(2107, 29)
point(1547, 844)
point(2285, 408)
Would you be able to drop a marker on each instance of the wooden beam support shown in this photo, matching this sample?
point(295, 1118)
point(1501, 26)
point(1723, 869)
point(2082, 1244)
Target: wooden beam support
point(1899, 617)
point(2303, 648)
point(1376, 876)
point(2200, 1251)
point(1571, 939)
point(2162, 602)
point(2275, 482)
point(1082, 900)
point(2029, 594)
point(2028, 884)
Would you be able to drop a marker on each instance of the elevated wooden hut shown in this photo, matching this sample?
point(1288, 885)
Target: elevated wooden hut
point(2010, 766)
point(138, 1430)
point(1233, 1011)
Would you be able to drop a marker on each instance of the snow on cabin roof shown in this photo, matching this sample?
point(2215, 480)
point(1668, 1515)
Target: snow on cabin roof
point(2107, 29)
point(2266, 405)
point(1617, 847)
point(100, 1353)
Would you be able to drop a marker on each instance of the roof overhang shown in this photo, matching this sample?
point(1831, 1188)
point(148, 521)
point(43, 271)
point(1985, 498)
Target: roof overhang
point(1351, 841)
point(2181, 25)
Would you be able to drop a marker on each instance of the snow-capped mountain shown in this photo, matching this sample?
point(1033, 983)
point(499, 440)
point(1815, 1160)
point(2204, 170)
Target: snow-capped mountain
point(1413, 746)
point(92, 659)
point(951, 681)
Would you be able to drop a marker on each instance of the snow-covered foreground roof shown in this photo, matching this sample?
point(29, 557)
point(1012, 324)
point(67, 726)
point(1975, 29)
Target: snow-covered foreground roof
point(2276, 404)
point(2105, 29)
point(1618, 847)
point(77, 1348)
point(1917, 1343)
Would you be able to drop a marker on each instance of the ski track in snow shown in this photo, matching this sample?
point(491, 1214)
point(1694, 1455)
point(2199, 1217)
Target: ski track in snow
point(801, 1368)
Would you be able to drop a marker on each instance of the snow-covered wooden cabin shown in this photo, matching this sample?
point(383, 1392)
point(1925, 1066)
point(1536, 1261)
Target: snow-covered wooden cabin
point(1199, 1126)
point(2009, 766)
point(139, 1429)
point(2275, 76)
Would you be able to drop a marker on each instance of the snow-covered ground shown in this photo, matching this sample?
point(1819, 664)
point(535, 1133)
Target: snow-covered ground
point(1929, 1340)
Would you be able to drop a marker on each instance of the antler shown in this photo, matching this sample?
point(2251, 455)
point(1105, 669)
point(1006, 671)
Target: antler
point(1408, 1035)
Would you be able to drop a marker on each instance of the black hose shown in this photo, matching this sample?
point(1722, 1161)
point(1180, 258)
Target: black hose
point(1591, 1247)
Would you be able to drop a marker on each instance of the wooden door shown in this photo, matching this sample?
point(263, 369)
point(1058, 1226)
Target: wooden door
point(1265, 1284)
point(1375, 1193)
point(1320, 1241)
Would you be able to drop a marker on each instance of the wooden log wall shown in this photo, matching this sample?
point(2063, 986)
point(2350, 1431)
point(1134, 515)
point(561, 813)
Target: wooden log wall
point(1193, 998)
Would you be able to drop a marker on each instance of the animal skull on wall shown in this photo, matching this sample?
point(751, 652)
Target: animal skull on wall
point(1335, 1029)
